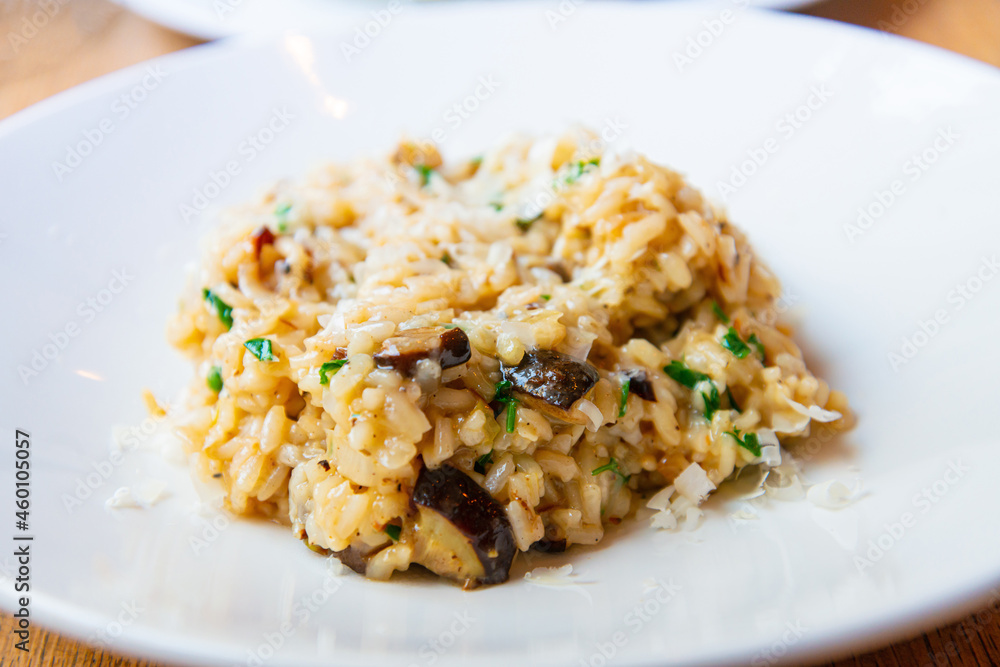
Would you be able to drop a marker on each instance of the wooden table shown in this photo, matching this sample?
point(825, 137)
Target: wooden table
point(87, 38)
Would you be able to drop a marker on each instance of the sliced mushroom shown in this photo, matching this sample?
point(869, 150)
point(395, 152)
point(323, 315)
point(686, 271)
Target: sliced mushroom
point(639, 384)
point(461, 532)
point(552, 382)
point(448, 347)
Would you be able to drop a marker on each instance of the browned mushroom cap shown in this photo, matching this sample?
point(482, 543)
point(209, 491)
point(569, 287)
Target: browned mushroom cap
point(461, 532)
point(552, 382)
point(448, 347)
point(639, 384)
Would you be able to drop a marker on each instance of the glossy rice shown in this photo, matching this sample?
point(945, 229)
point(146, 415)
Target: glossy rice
point(536, 246)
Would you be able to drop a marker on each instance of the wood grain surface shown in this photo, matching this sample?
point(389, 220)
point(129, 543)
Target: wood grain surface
point(87, 38)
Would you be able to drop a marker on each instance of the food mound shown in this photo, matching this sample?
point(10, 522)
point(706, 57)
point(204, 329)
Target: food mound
point(447, 364)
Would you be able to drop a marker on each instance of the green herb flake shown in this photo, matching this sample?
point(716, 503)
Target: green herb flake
point(260, 348)
point(214, 379)
point(623, 398)
point(222, 309)
point(330, 368)
point(281, 213)
point(425, 173)
point(759, 345)
point(721, 314)
point(749, 441)
point(712, 402)
point(732, 401)
point(503, 395)
point(496, 205)
point(577, 170)
point(680, 373)
point(611, 466)
point(524, 224)
point(511, 415)
point(732, 342)
point(446, 258)
point(547, 297)
point(483, 461)
point(393, 531)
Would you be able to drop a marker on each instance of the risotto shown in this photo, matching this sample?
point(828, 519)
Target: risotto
point(415, 362)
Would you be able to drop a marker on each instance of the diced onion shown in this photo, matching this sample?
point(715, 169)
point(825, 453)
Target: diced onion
point(664, 519)
point(814, 412)
point(770, 450)
point(661, 500)
point(694, 483)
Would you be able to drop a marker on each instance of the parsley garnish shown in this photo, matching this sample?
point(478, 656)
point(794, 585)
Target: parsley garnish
point(749, 441)
point(503, 395)
point(623, 398)
point(759, 345)
point(732, 342)
point(732, 401)
point(577, 169)
point(684, 375)
point(546, 296)
point(393, 531)
point(446, 258)
point(260, 348)
point(222, 309)
point(712, 402)
point(425, 173)
point(214, 379)
point(524, 224)
point(330, 368)
point(483, 461)
point(721, 314)
point(497, 205)
point(611, 465)
point(281, 212)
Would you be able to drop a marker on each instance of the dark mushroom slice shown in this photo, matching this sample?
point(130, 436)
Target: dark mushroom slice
point(639, 384)
point(448, 347)
point(460, 532)
point(552, 382)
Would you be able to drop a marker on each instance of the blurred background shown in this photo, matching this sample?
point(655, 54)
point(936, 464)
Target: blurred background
point(50, 45)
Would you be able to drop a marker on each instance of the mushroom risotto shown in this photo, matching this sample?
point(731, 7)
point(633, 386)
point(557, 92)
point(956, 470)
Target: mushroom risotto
point(412, 361)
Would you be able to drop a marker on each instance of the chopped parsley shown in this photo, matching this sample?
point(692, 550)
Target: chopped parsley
point(721, 314)
point(483, 461)
point(712, 401)
point(281, 213)
point(222, 309)
point(732, 401)
point(623, 398)
point(612, 466)
point(546, 296)
point(260, 348)
point(450, 326)
point(330, 368)
point(749, 441)
point(524, 224)
point(678, 372)
point(425, 173)
point(578, 168)
point(759, 345)
point(446, 258)
point(497, 205)
point(503, 395)
point(732, 342)
point(214, 379)
point(393, 531)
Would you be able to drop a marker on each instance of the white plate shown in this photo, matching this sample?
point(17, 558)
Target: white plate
point(785, 583)
point(211, 19)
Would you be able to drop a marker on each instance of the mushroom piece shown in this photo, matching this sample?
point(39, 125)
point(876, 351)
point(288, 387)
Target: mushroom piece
point(552, 382)
point(639, 384)
point(448, 347)
point(460, 532)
